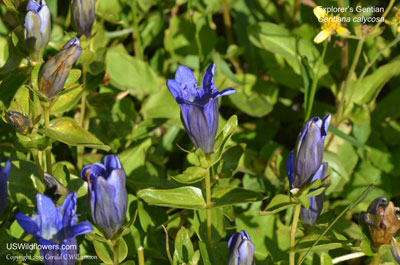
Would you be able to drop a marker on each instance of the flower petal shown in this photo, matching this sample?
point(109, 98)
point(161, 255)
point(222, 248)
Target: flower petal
point(48, 215)
point(290, 169)
point(208, 80)
point(111, 162)
point(342, 31)
point(322, 36)
point(82, 228)
point(28, 224)
point(185, 76)
point(176, 90)
point(319, 12)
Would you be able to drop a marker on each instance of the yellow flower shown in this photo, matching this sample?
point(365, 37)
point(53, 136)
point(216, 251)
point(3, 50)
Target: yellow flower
point(397, 22)
point(330, 25)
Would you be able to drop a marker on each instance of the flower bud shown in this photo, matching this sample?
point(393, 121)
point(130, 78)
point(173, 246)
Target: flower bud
point(37, 29)
point(4, 172)
point(241, 249)
point(54, 189)
point(83, 15)
point(306, 159)
point(20, 122)
point(199, 107)
point(382, 221)
point(107, 193)
point(55, 71)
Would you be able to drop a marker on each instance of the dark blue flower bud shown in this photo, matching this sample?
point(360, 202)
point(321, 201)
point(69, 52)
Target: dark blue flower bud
point(54, 188)
point(4, 172)
point(55, 229)
point(382, 221)
point(56, 70)
point(309, 216)
point(199, 107)
point(108, 195)
point(37, 28)
point(83, 15)
point(306, 159)
point(241, 249)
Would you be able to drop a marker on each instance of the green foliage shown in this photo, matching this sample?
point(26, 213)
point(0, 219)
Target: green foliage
point(116, 100)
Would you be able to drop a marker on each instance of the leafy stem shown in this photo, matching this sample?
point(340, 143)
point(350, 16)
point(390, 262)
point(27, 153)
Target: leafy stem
point(293, 230)
point(46, 114)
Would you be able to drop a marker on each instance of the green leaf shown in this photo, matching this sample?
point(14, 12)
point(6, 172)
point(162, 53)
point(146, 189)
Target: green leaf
point(256, 97)
point(214, 254)
point(234, 195)
point(223, 137)
point(129, 73)
point(67, 100)
point(279, 203)
point(218, 224)
point(183, 246)
point(67, 131)
point(347, 138)
point(369, 87)
point(279, 40)
point(105, 252)
point(191, 175)
point(184, 197)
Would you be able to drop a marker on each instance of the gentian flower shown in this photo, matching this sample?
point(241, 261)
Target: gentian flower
point(55, 71)
point(37, 28)
point(55, 229)
point(241, 249)
point(108, 195)
point(4, 172)
point(306, 160)
point(199, 107)
point(382, 221)
point(83, 15)
point(309, 216)
point(330, 25)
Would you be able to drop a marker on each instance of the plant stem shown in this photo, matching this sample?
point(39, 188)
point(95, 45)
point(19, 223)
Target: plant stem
point(293, 230)
point(115, 252)
point(35, 155)
point(315, 83)
point(376, 260)
point(137, 42)
point(227, 22)
point(343, 102)
point(80, 149)
point(140, 255)
point(208, 206)
point(46, 114)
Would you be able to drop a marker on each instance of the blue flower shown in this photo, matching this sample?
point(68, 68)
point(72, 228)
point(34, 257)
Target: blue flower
point(4, 172)
point(108, 195)
point(37, 28)
point(241, 249)
point(309, 216)
point(199, 107)
point(55, 71)
point(306, 159)
point(83, 15)
point(55, 229)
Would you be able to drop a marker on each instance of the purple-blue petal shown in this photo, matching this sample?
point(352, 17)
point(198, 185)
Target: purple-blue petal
point(290, 169)
point(28, 224)
point(208, 80)
point(112, 162)
point(325, 126)
point(33, 6)
point(185, 76)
